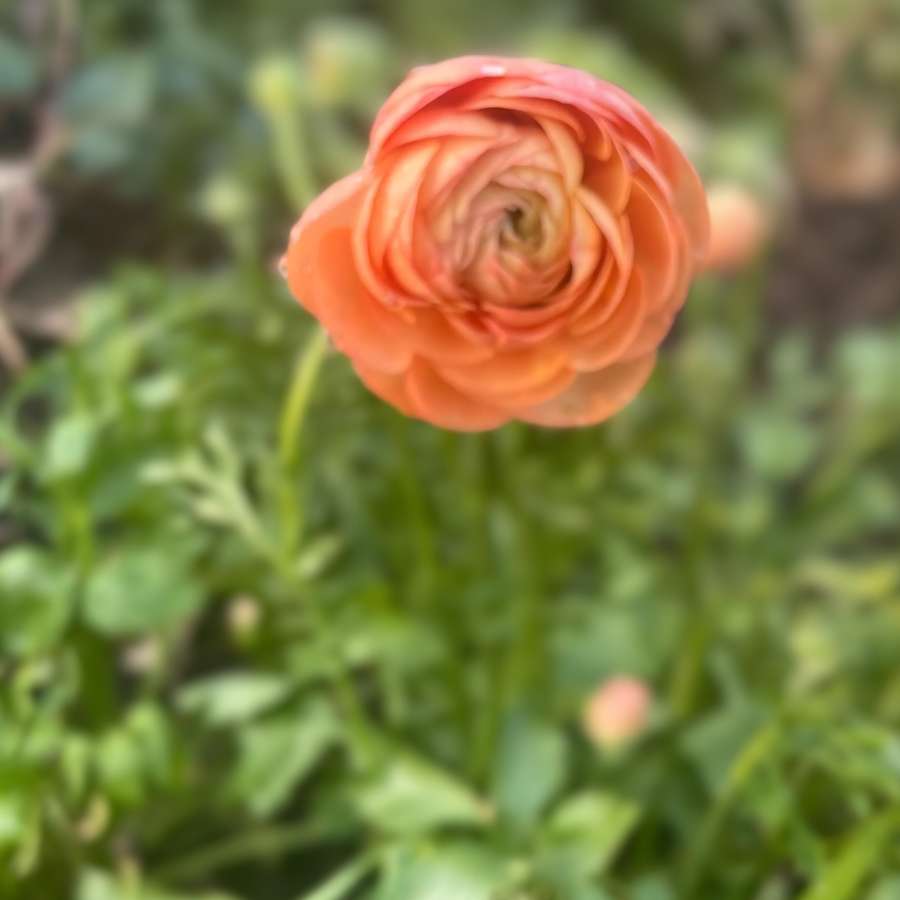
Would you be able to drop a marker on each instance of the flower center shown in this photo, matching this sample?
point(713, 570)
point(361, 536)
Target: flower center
point(521, 229)
point(511, 247)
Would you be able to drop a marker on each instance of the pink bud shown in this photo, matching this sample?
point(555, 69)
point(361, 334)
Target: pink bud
point(616, 712)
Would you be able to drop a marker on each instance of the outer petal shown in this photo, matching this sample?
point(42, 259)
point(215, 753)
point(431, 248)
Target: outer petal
point(339, 205)
point(426, 84)
point(651, 334)
point(432, 335)
point(610, 341)
point(690, 204)
point(520, 78)
point(655, 244)
point(541, 393)
point(322, 275)
point(507, 373)
point(593, 396)
point(389, 388)
point(435, 401)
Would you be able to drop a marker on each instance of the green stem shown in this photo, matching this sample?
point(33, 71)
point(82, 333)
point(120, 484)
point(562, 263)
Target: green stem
point(754, 754)
point(293, 415)
point(526, 653)
point(344, 880)
point(292, 159)
point(346, 694)
point(299, 394)
point(277, 90)
point(264, 843)
point(290, 427)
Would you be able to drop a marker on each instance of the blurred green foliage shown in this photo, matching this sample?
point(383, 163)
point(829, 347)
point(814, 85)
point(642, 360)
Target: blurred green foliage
point(276, 643)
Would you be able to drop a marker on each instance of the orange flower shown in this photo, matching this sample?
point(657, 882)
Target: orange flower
point(516, 246)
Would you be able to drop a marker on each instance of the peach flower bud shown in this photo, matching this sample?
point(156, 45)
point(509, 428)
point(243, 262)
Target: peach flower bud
point(516, 246)
point(739, 227)
point(616, 712)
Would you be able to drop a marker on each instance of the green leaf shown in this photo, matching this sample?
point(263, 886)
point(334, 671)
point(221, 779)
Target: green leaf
point(412, 795)
point(653, 887)
point(777, 444)
point(158, 391)
point(36, 600)
point(529, 769)
point(14, 817)
point(456, 872)
point(584, 835)
point(343, 881)
point(715, 742)
point(137, 591)
point(232, 697)
point(868, 364)
point(603, 640)
point(886, 889)
point(120, 767)
point(277, 755)
point(69, 445)
point(843, 877)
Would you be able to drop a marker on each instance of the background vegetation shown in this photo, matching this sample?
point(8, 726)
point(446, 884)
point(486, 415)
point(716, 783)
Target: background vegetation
point(263, 638)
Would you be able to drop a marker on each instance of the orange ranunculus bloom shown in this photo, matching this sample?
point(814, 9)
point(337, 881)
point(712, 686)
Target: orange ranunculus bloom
point(516, 246)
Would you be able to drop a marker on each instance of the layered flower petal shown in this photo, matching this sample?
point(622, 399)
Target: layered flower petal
point(437, 402)
point(593, 396)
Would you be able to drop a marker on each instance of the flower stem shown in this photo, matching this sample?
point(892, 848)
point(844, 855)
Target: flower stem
point(299, 394)
point(293, 416)
point(290, 427)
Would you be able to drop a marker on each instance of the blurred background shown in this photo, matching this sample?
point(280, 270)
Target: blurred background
point(270, 644)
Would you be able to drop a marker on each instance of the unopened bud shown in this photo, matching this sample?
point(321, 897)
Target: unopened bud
point(226, 201)
point(274, 85)
point(616, 712)
point(349, 62)
point(739, 227)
